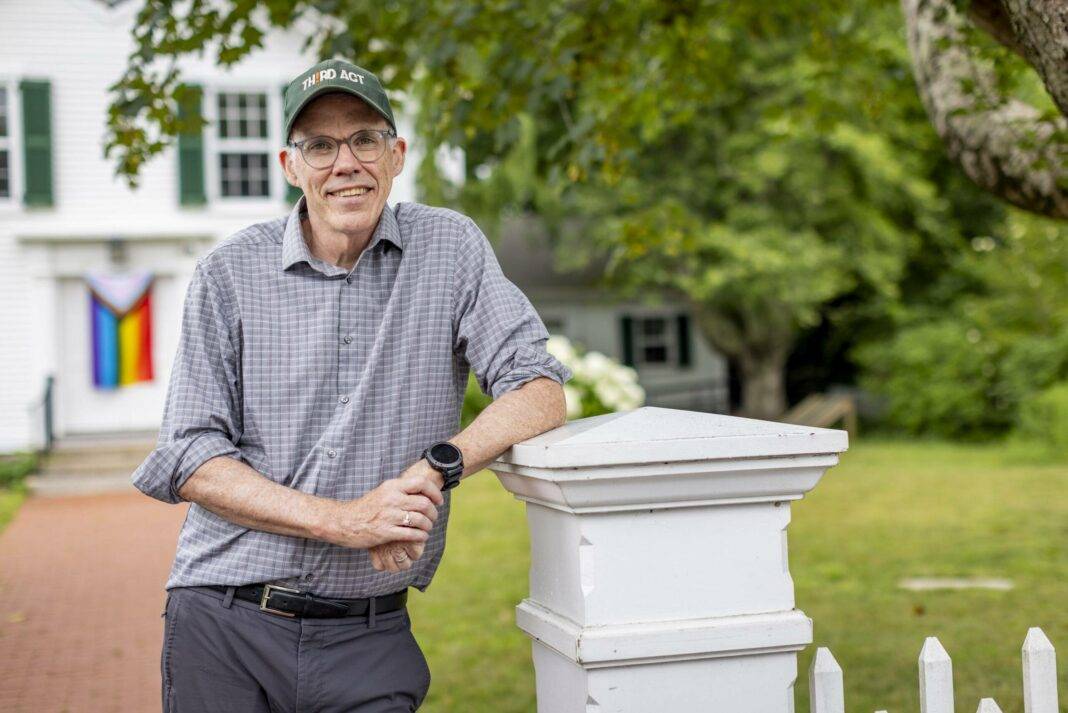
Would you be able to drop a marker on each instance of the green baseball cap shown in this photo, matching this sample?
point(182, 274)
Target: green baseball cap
point(334, 75)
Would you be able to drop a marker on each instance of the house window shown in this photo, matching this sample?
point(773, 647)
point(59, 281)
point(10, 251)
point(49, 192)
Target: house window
point(243, 145)
point(654, 339)
point(5, 144)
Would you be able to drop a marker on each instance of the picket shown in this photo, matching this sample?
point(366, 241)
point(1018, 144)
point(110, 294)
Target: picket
point(936, 678)
point(825, 683)
point(1039, 673)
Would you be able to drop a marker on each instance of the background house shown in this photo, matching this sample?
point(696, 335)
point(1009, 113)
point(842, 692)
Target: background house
point(64, 216)
point(676, 366)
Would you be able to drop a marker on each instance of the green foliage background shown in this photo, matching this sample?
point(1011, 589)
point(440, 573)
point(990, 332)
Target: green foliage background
point(769, 165)
point(964, 368)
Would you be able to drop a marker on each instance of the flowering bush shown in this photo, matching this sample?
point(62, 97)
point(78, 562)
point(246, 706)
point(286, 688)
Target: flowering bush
point(600, 384)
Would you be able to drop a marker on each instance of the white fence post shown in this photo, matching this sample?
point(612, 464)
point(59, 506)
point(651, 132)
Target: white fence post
point(987, 705)
point(659, 577)
point(1039, 673)
point(825, 685)
point(936, 678)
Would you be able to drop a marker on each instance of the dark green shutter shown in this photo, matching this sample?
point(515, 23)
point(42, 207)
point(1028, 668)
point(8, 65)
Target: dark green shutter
point(37, 142)
point(191, 152)
point(293, 193)
point(626, 325)
point(682, 323)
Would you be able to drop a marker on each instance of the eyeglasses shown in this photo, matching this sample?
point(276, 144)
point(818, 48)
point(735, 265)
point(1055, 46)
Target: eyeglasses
point(367, 145)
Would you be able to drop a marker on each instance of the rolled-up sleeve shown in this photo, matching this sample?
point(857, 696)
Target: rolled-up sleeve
point(201, 414)
point(496, 328)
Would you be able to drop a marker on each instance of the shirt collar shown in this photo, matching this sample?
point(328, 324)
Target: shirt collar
point(295, 249)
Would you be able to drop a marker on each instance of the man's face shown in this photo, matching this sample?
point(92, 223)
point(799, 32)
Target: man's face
point(340, 115)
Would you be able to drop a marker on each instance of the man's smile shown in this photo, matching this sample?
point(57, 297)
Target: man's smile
point(352, 194)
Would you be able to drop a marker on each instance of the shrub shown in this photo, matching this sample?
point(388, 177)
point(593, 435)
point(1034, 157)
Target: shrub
point(938, 379)
point(1031, 364)
point(15, 467)
point(1044, 419)
point(474, 401)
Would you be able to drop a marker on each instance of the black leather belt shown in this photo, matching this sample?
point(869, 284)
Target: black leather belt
point(292, 603)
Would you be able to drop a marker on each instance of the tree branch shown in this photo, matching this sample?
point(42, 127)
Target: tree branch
point(1004, 145)
point(990, 17)
point(1041, 27)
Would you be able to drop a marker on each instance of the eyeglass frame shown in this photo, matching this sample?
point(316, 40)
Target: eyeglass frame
point(299, 145)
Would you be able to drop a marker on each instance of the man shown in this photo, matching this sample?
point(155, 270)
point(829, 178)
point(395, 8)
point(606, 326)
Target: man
point(311, 422)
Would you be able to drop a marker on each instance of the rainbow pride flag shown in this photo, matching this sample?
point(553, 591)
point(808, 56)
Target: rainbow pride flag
point(120, 307)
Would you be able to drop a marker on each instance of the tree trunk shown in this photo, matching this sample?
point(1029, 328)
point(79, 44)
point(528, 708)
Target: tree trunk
point(1005, 146)
point(763, 385)
point(759, 345)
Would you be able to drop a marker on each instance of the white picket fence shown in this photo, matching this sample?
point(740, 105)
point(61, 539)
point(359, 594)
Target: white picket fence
point(936, 679)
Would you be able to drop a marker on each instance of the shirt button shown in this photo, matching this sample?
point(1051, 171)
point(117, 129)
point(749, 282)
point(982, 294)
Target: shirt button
point(344, 399)
point(331, 453)
point(348, 280)
point(348, 340)
point(308, 576)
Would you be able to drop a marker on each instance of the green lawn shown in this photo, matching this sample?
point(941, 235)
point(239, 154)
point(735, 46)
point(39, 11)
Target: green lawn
point(888, 511)
point(14, 467)
point(10, 499)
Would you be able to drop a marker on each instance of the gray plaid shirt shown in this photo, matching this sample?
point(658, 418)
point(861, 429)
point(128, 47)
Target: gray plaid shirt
point(331, 382)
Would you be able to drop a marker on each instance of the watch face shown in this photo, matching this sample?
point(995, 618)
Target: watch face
point(445, 453)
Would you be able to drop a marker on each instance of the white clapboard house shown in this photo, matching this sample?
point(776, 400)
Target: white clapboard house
point(93, 274)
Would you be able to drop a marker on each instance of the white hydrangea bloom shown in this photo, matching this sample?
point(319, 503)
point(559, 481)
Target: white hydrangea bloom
point(634, 395)
point(598, 366)
point(561, 348)
point(574, 401)
point(609, 393)
point(615, 385)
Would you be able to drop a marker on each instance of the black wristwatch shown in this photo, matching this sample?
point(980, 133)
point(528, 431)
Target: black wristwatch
point(447, 459)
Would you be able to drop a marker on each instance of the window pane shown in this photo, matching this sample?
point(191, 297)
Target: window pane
point(224, 116)
point(652, 340)
point(242, 115)
point(5, 184)
point(244, 174)
point(262, 105)
point(3, 111)
point(655, 354)
point(653, 327)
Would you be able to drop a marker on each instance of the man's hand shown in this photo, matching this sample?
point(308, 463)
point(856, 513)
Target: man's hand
point(385, 556)
point(378, 516)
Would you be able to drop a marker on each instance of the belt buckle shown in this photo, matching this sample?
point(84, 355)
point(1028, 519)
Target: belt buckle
point(267, 594)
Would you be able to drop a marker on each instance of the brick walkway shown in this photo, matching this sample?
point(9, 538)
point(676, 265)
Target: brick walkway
point(81, 593)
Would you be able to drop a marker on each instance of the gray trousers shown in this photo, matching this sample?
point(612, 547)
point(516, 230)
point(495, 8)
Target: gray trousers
point(223, 655)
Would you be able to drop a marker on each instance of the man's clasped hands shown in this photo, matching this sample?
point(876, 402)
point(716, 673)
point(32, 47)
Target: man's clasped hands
point(376, 521)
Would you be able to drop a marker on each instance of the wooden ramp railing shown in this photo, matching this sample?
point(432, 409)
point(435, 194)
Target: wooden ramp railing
point(824, 411)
